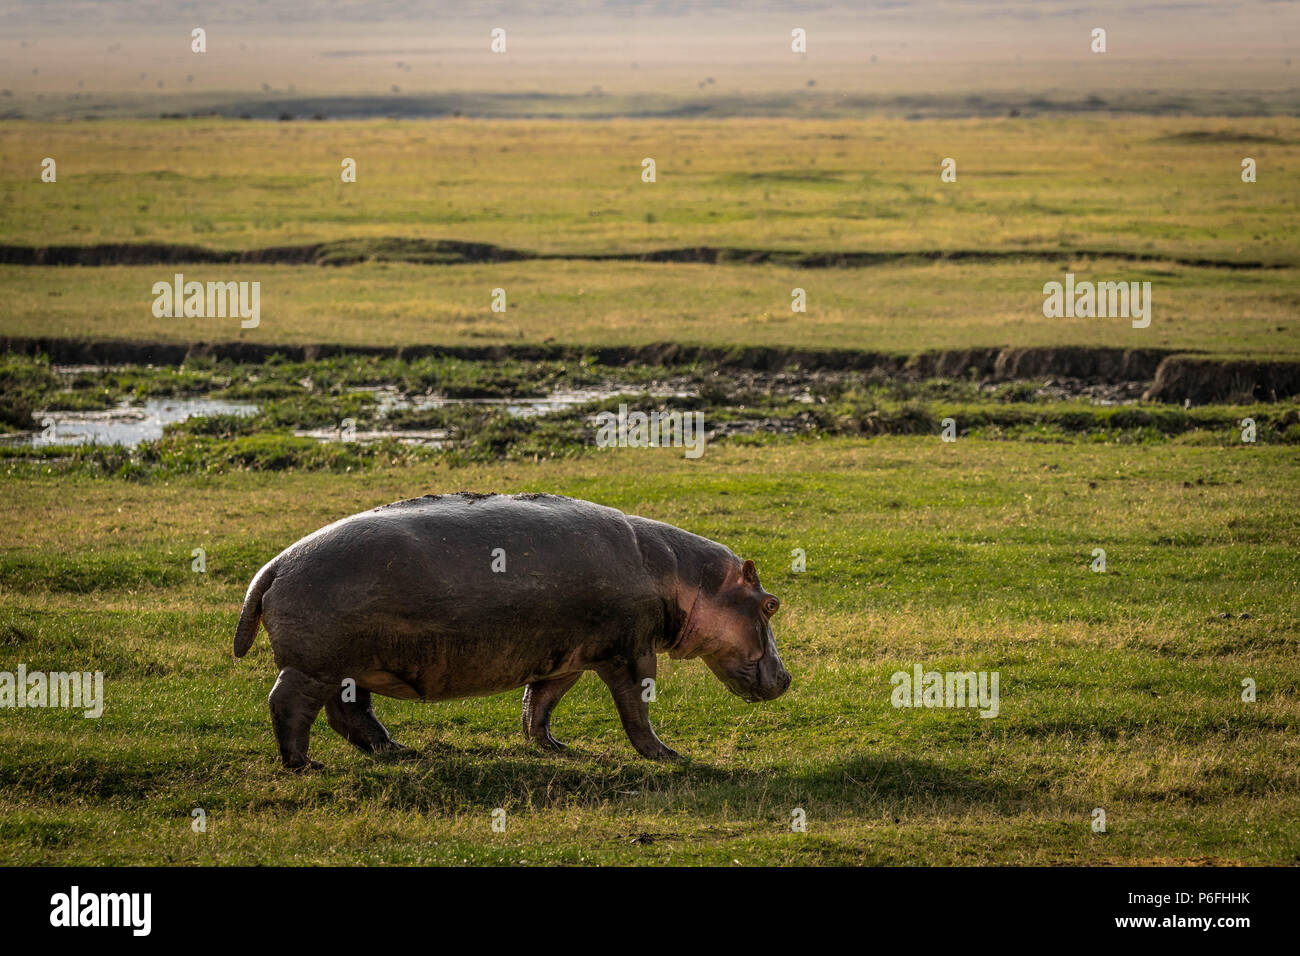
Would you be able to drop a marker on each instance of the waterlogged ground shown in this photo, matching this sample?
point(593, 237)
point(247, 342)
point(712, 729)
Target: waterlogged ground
point(354, 412)
point(129, 424)
point(1119, 689)
point(124, 424)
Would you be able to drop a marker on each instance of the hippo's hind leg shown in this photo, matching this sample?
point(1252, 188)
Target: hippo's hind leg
point(540, 698)
point(356, 722)
point(296, 699)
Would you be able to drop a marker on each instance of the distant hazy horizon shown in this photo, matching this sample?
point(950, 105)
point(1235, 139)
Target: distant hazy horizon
point(135, 57)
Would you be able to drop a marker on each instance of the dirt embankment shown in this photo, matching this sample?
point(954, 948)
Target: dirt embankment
point(1165, 376)
point(1203, 380)
point(453, 252)
point(343, 252)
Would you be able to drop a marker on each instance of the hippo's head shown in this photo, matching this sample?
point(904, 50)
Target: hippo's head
point(731, 629)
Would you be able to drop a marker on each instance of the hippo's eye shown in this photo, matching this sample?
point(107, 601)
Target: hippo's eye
point(770, 606)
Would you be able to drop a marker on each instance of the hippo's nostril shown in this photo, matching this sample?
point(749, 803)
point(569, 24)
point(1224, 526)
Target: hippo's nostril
point(775, 688)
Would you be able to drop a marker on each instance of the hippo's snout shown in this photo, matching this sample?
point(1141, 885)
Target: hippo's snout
point(773, 679)
point(751, 692)
point(767, 679)
point(770, 687)
point(781, 685)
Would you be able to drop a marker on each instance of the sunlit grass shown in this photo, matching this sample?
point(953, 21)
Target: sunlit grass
point(1133, 184)
point(1120, 690)
point(901, 308)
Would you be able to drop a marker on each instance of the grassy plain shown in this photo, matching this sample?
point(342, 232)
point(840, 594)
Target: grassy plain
point(897, 308)
point(1129, 184)
point(1119, 690)
point(1060, 190)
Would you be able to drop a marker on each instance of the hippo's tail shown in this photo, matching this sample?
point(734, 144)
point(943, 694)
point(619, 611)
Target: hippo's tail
point(251, 615)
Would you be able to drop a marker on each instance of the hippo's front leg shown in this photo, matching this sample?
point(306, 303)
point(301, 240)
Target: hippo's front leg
point(624, 680)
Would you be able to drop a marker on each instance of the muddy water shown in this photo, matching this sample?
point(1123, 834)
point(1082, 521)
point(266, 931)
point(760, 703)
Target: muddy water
point(124, 424)
point(129, 425)
point(389, 399)
point(432, 438)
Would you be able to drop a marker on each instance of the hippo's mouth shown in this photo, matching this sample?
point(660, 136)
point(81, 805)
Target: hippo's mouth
point(746, 685)
point(756, 689)
point(748, 680)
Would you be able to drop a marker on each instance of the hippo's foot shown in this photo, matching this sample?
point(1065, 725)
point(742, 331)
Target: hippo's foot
point(548, 742)
point(659, 751)
point(351, 713)
point(626, 684)
point(395, 751)
point(540, 698)
point(304, 767)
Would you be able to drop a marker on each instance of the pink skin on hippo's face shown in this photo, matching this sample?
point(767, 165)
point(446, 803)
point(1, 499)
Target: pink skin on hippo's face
point(732, 632)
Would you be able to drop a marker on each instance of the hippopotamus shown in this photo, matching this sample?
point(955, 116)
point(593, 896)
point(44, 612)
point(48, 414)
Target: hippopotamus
point(465, 595)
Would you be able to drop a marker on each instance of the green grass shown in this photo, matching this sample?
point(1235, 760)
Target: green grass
point(1134, 184)
point(1061, 188)
point(1119, 690)
point(901, 308)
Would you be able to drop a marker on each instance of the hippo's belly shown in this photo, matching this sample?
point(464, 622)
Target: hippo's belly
point(488, 649)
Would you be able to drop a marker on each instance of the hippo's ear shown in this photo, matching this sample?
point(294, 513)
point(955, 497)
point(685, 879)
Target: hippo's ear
point(750, 574)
